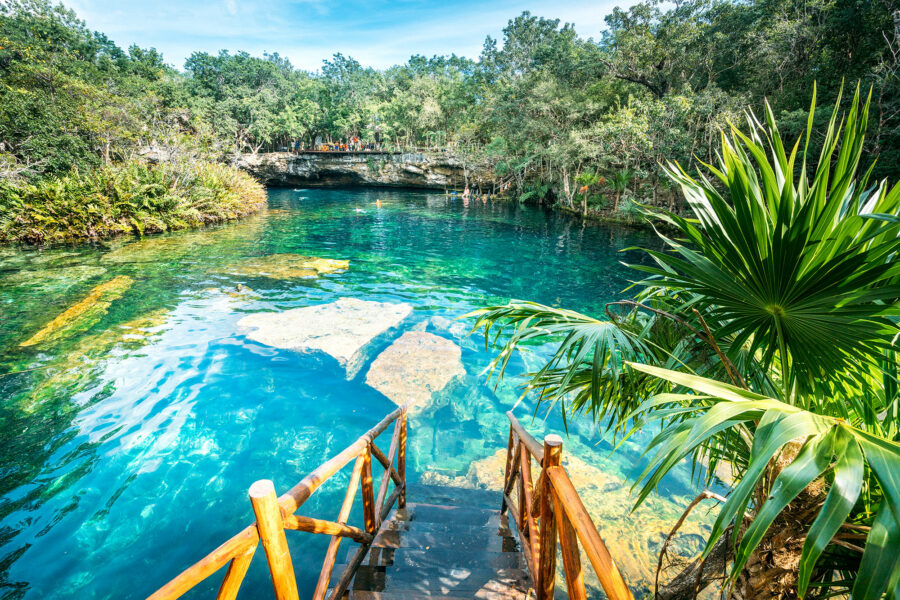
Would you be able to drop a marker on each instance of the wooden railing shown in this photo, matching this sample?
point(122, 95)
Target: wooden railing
point(553, 510)
point(276, 514)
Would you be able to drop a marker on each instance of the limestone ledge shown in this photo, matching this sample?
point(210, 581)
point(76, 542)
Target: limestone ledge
point(432, 170)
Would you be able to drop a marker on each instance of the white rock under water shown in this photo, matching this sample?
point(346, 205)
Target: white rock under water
point(415, 367)
point(341, 329)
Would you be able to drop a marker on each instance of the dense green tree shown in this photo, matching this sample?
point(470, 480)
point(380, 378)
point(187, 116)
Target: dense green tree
point(658, 84)
point(70, 97)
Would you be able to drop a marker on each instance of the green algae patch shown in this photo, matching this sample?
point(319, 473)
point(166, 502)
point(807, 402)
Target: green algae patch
point(51, 281)
point(83, 313)
point(287, 266)
point(158, 249)
point(241, 291)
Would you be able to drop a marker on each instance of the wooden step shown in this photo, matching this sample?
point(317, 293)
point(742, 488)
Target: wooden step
point(416, 558)
point(449, 496)
point(437, 513)
point(462, 541)
point(446, 528)
point(459, 550)
point(500, 593)
point(438, 580)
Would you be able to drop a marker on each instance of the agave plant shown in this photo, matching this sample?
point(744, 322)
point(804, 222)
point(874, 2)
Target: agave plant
point(764, 336)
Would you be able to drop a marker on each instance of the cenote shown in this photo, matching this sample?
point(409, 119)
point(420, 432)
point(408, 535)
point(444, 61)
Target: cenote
point(130, 442)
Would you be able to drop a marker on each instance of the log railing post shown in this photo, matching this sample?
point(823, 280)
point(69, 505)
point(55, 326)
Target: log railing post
point(528, 491)
point(368, 492)
point(506, 473)
point(270, 525)
point(520, 517)
point(568, 542)
point(401, 460)
point(546, 578)
point(237, 569)
point(334, 544)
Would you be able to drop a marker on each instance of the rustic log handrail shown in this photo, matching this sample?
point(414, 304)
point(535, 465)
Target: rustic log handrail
point(274, 515)
point(552, 511)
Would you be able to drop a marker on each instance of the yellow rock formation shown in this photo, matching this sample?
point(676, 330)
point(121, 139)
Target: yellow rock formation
point(287, 266)
point(84, 313)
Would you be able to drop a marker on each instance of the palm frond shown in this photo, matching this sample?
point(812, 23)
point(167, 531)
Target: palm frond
point(829, 445)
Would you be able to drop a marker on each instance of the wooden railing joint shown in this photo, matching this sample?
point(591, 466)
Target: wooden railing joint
point(275, 514)
point(550, 512)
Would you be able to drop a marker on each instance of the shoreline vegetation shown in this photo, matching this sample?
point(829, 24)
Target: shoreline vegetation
point(584, 124)
point(126, 198)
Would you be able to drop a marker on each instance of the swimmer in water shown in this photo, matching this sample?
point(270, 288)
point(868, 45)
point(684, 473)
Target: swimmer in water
point(378, 202)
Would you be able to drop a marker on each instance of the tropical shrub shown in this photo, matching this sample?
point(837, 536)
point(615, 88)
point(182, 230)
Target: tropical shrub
point(134, 197)
point(764, 337)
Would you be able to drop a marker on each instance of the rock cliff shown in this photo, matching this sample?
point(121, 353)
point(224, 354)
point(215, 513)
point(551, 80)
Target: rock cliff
point(437, 171)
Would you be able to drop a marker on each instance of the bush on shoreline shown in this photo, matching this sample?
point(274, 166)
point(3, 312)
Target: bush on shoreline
point(133, 197)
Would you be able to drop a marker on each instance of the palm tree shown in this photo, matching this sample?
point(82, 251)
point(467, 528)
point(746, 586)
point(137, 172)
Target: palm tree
point(588, 179)
point(764, 337)
point(620, 181)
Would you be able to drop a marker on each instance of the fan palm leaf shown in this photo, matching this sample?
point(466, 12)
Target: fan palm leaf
point(807, 273)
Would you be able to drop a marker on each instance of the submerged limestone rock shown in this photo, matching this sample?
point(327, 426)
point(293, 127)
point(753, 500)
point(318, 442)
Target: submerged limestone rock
point(190, 244)
point(457, 329)
point(341, 329)
point(83, 314)
point(634, 539)
point(287, 266)
point(415, 367)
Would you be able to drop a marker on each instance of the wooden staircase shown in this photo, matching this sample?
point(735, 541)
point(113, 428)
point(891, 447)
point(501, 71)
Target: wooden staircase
point(444, 543)
point(450, 545)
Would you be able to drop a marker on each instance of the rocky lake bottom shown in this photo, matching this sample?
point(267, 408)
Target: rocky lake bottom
point(146, 384)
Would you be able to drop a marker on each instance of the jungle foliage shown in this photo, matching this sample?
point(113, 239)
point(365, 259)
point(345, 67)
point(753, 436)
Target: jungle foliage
point(77, 113)
point(544, 109)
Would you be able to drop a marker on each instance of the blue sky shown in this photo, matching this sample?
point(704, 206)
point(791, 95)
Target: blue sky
point(377, 33)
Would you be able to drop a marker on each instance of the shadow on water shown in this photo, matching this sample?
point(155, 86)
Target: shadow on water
point(132, 433)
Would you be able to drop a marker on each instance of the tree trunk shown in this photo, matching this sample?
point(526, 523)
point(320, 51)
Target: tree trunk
point(771, 571)
point(697, 574)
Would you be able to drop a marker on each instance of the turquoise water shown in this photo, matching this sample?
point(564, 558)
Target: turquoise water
point(129, 443)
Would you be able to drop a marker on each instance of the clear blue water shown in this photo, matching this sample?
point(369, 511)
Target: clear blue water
point(127, 453)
